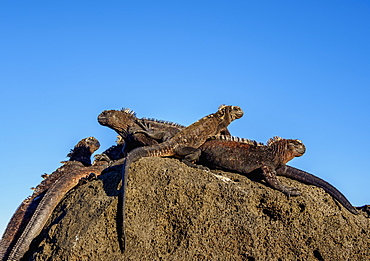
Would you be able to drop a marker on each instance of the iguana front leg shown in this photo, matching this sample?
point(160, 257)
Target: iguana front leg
point(269, 175)
point(190, 155)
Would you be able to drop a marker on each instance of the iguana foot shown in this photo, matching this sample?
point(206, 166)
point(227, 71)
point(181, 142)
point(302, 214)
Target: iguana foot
point(117, 162)
point(92, 176)
point(290, 191)
point(270, 177)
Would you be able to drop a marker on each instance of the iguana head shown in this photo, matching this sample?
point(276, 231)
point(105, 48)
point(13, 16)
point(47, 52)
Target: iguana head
point(120, 121)
point(286, 149)
point(231, 112)
point(297, 147)
point(91, 143)
point(293, 148)
point(83, 151)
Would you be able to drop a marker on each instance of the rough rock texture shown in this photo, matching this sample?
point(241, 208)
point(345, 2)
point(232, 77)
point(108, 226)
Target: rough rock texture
point(175, 212)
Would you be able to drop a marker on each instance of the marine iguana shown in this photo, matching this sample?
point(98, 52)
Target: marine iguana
point(184, 144)
point(128, 126)
point(115, 119)
point(31, 216)
point(229, 152)
point(245, 156)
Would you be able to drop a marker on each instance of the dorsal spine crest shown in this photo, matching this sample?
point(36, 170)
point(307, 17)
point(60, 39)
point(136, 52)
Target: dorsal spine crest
point(129, 111)
point(273, 140)
point(237, 139)
point(174, 124)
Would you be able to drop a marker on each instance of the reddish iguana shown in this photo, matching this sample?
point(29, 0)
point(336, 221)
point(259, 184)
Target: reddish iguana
point(245, 156)
point(228, 152)
point(31, 216)
point(157, 129)
point(184, 144)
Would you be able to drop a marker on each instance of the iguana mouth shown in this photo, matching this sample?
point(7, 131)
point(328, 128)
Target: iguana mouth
point(301, 150)
point(238, 112)
point(103, 119)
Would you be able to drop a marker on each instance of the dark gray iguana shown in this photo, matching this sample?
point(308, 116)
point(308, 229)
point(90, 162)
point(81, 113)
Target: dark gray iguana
point(245, 156)
point(128, 126)
point(184, 144)
point(31, 216)
point(158, 130)
point(229, 152)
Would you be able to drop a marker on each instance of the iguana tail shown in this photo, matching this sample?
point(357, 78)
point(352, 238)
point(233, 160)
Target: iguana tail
point(305, 177)
point(12, 232)
point(42, 213)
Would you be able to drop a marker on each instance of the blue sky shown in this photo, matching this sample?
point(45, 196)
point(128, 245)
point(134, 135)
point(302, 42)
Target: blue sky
point(299, 69)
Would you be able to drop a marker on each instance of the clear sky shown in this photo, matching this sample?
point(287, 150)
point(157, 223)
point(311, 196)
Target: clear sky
point(299, 69)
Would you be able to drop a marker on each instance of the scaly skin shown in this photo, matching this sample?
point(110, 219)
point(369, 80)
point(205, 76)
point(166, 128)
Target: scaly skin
point(245, 156)
point(271, 159)
point(185, 144)
point(32, 214)
point(159, 131)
